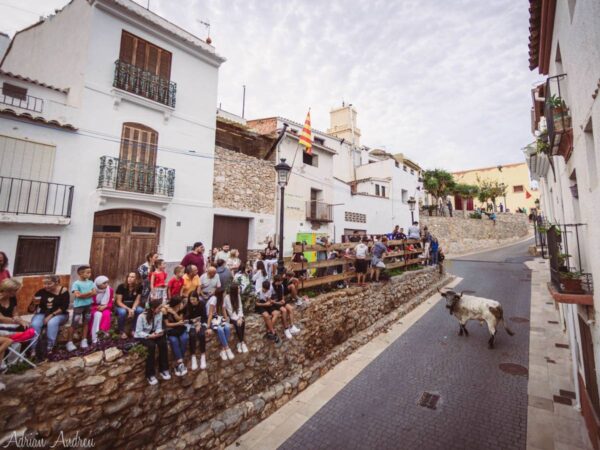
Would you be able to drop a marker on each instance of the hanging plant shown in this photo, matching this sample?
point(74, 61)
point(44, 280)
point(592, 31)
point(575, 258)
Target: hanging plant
point(542, 146)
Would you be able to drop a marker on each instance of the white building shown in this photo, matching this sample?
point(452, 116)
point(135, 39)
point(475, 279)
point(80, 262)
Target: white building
point(107, 133)
point(564, 46)
point(343, 187)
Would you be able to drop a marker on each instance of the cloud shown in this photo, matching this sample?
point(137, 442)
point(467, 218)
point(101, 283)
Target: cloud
point(446, 83)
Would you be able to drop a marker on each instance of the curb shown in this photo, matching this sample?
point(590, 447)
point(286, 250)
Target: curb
point(482, 250)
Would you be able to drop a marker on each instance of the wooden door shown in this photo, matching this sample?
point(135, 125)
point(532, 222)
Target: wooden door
point(458, 203)
point(589, 365)
point(231, 230)
point(120, 242)
point(137, 158)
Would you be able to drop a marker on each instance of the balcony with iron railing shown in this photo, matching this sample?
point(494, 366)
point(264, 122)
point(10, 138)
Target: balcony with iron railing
point(570, 283)
point(319, 212)
point(137, 177)
point(558, 117)
point(26, 102)
point(145, 84)
point(33, 198)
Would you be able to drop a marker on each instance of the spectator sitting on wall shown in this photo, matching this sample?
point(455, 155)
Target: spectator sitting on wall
point(145, 270)
point(235, 310)
point(269, 312)
point(50, 306)
point(197, 320)
point(271, 253)
point(149, 333)
point(129, 302)
point(177, 333)
point(259, 276)
point(191, 280)
point(209, 283)
point(300, 258)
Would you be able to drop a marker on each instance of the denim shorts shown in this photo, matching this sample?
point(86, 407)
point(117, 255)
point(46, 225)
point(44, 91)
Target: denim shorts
point(81, 314)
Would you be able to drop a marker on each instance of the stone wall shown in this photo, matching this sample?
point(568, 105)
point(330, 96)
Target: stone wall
point(458, 235)
point(104, 396)
point(243, 183)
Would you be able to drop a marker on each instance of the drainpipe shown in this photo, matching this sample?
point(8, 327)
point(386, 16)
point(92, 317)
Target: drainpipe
point(574, 347)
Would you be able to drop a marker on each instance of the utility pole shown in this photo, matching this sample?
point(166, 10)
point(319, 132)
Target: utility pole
point(244, 101)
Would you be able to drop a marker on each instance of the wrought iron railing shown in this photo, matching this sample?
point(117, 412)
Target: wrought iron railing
point(30, 103)
point(562, 266)
point(319, 212)
point(134, 176)
point(558, 118)
point(19, 196)
point(141, 82)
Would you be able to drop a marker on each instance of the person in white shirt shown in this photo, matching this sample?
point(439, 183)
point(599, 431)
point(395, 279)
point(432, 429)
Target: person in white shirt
point(361, 262)
point(414, 232)
point(235, 310)
point(209, 282)
point(260, 275)
point(223, 253)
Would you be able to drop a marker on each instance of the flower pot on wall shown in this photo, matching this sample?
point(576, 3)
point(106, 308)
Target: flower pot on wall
point(571, 285)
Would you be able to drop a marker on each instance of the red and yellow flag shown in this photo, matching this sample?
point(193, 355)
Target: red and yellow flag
point(306, 135)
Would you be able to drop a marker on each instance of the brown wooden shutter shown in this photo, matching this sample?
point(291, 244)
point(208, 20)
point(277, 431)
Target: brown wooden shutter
point(140, 54)
point(36, 255)
point(152, 62)
point(127, 44)
point(165, 65)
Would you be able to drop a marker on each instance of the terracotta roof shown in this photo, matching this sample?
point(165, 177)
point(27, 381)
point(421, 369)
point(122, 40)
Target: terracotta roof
point(29, 80)
point(535, 20)
point(38, 119)
point(489, 168)
point(541, 28)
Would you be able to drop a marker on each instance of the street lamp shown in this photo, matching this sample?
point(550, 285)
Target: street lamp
point(411, 204)
point(283, 175)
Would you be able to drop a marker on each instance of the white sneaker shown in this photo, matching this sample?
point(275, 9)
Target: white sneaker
point(294, 329)
point(239, 348)
point(165, 375)
point(223, 355)
point(152, 380)
point(288, 334)
point(2, 386)
point(244, 348)
point(230, 354)
point(202, 362)
point(180, 370)
point(194, 363)
point(84, 344)
point(71, 347)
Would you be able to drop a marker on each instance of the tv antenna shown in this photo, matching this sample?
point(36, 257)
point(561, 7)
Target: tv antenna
point(207, 25)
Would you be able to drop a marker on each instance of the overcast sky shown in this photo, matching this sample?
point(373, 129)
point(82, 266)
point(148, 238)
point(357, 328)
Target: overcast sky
point(444, 81)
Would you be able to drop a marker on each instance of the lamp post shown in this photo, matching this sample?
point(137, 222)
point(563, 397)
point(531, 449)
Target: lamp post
point(283, 175)
point(411, 204)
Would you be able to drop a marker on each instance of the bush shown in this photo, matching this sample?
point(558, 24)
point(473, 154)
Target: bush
point(138, 349)
point(475, 215)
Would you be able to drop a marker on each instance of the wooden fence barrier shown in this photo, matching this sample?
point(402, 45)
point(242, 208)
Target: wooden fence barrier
point(398, 257)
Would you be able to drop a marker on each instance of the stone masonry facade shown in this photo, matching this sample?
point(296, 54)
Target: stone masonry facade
point(243, 183)
point(104, 395)
point(458, 235)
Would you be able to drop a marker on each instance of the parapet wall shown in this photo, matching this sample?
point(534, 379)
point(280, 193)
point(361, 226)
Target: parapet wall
point(104, 395)
point(458, 235)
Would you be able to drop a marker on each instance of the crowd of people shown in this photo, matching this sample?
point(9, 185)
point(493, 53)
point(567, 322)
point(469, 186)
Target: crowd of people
point(203, 297)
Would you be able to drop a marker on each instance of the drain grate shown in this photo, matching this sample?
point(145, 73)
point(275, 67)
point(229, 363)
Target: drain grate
point(514, 369)
point(519, 319)
point(428, 400)
point(561, 345)
point(555, 322)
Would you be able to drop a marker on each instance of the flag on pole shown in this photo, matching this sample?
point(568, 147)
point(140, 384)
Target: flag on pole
point(306, 135)
point(527, 194)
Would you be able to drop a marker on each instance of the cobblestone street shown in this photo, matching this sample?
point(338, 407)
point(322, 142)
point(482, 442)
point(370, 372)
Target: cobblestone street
point(479, 406)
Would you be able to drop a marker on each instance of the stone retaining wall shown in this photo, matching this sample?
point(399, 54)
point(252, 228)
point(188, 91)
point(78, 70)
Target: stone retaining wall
point(458, 235)
point(104, 396)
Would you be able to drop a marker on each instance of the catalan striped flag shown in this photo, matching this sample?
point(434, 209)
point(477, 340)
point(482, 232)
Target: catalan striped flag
point(306, 135)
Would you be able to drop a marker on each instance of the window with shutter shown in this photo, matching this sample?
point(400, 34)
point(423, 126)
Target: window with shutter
point(36, 255)
point(149, 57)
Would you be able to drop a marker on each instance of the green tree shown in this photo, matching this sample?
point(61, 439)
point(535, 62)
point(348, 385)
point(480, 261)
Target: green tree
point(438, 183)
point(465, 192)
point(490, 189)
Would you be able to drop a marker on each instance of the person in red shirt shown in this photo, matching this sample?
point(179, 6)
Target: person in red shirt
point(4, 273)
point(176, 283)
point(158, 280)
point(195, 257)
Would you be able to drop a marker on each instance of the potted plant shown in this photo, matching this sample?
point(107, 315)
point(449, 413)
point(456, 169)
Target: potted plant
point(541, 146)
point(560, 113)
point(562, 259)
point(571, 281)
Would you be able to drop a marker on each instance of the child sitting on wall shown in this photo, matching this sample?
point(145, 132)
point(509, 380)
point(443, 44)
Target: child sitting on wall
point(269, 312)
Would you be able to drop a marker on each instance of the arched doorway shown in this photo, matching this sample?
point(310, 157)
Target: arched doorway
point(121, 240)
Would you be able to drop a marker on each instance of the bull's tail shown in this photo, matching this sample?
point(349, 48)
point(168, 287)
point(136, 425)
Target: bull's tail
point(499, 314)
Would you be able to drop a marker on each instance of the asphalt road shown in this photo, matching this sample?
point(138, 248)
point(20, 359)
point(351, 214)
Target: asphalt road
point(480, 406)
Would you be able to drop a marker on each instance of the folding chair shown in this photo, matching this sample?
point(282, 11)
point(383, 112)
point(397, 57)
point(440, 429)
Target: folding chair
point(21, 338)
